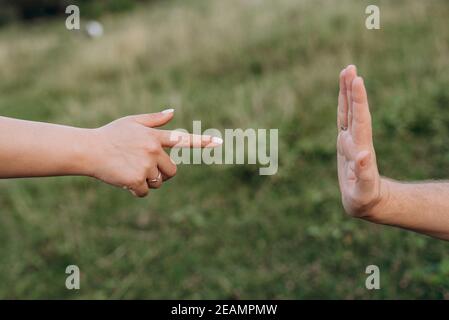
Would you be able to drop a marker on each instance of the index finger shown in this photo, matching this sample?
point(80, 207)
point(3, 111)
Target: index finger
point(173, 138)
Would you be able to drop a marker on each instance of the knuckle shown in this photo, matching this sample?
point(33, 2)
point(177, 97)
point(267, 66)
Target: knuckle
point(147, 166)
point(142, 194)
point(156, 185)
point(171, 173)
point(153, 147)
point(129, 182)
point(137, 181)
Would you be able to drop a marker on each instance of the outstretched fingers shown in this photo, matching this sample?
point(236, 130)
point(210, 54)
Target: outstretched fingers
point(350, 74)
point(173, 138)
point(342, 113)
point(361, 124)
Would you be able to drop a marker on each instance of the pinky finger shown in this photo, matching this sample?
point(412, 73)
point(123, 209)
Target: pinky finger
point(140, 190)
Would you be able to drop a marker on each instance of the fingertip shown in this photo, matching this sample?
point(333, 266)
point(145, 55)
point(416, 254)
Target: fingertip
point(357, 80)
point(217, 140)
point(351, 68)
point(350, 73)
point(167, 114)
point(169, 111)
point(156, 119)
point(212, 142)
point(209, 142)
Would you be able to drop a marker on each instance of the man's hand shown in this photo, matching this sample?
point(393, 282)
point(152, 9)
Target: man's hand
point(361, 187)
point(422, 207)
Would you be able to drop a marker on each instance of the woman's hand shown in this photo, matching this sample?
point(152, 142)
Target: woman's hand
point(361, 187)
point(129, 152)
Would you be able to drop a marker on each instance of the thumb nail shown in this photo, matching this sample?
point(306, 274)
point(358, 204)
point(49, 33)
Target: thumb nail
point(166, 111)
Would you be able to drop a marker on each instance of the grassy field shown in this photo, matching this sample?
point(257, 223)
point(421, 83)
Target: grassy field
point(225, 231)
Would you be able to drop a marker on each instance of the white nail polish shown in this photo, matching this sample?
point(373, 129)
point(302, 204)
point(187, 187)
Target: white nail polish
point(217, 140)
point(168, 111)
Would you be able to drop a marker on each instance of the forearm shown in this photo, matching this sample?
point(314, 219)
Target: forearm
point(32, 149)
point(421, 207)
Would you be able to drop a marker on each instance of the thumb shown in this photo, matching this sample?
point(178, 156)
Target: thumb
point(363, 170)
point(155, 119)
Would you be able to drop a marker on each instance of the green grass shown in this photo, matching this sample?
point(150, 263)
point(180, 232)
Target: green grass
point(225, 231)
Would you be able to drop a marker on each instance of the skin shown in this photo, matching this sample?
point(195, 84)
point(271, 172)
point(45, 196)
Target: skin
point(126, 153)
point(421, 207)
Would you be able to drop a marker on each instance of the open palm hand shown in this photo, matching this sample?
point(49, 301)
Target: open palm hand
point(358, 176)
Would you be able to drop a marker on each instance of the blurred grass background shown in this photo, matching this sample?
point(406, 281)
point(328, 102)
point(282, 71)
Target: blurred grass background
point(225, 231)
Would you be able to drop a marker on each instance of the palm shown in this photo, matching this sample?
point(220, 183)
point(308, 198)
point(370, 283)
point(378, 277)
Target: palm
point(357, 170)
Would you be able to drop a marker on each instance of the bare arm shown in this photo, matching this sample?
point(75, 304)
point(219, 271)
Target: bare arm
point(127, 153)
point(421, 207)
point(30, 149)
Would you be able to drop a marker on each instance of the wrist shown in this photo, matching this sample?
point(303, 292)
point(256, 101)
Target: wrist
point(84, 158)
point(383, 207)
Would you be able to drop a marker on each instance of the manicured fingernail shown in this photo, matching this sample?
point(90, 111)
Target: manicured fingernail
point(168, 111)
point(133, 193)
point(217, 140)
